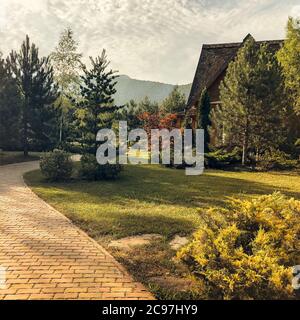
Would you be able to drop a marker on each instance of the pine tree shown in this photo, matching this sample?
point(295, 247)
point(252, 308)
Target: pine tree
point(270, 110)
point(9, 109)
point(175, 102)
point(289, 57)
point(252, 96)
point(237, 104)
point(204, 121)
point(34, 78)
point(66, 63)
point(146, 105)
point(130, 114)
point(96, 107)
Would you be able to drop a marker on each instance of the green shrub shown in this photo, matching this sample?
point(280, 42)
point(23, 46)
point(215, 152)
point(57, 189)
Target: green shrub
point(276, 160)
point(221, 159)
point(56, 165)
point(247, 250)
point(91, 170)
point(73, 147)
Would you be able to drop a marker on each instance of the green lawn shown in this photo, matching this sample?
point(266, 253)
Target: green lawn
point(153, 199)
point(9, 157)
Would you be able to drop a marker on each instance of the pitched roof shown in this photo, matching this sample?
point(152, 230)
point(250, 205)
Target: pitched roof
point(214, 59)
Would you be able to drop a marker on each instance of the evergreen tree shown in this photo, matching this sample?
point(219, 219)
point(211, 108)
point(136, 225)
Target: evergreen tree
point(268, 129)
point(204, 121)
point(252, 96)
point(146, 105)
point(175, 102)
point(66, 65)
point(34, 79)
point(130, 113)
point(96, 107)
point(289, 57)
point(217, 129)
point(9, 109)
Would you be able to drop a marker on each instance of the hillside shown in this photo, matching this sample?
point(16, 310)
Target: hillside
point(128, 89)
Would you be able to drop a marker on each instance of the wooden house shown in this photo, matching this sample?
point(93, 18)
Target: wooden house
point(212, 66)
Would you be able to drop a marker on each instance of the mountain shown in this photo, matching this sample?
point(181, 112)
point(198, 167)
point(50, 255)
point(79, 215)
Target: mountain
point(128, 88)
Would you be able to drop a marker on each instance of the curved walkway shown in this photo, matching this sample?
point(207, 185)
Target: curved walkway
point(44, 256)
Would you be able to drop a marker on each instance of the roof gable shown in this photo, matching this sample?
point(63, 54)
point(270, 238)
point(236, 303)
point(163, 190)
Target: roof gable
point(214, 60)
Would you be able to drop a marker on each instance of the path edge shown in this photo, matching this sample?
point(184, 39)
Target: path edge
point(83, 233)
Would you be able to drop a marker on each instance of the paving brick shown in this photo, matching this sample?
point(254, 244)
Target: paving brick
point(76, 290)
point(46, 256)
point(16, 297)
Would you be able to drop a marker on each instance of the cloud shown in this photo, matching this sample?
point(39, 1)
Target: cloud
point(150, 39)
point(295, 12)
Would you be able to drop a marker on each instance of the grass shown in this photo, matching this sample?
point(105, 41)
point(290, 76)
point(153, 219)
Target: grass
point(10, 157)
point(153, 199)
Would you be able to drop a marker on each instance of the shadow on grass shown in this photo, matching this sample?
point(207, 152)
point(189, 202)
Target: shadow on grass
point(160, 186)
point(151, 199)
point(126, 225)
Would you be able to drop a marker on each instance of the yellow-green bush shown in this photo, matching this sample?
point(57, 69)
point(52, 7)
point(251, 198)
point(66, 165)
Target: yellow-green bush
point(247, 250)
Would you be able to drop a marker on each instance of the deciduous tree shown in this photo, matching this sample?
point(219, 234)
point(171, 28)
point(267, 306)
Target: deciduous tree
point(66, 63)
point(289, 57)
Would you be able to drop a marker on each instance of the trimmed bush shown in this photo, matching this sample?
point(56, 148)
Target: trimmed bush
point(247, 251)
point(56, 165)
point(276, 160)
point(90, 169)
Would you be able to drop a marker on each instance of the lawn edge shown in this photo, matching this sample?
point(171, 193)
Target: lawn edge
point(83, 233)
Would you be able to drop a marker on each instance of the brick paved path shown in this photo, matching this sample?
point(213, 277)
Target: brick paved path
point(46, 256)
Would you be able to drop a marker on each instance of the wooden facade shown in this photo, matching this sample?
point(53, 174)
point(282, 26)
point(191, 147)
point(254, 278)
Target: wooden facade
point(212, 66)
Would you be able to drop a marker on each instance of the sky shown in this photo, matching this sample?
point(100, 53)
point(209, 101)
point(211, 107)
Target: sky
point(157, 40)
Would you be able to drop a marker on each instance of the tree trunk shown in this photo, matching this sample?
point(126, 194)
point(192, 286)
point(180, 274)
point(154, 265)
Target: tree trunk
point(257, 155)
point(244, 155)
point(25, 127)
point(245, 147)
point(61, 130)
point(223, 135)
point(61, 125)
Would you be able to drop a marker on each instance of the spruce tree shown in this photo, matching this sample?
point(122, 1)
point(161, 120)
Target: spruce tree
point(96, 108)
point(204, 121)
point(34, 79)
point(146, 105)
point(130, 113)
point(175, 102)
